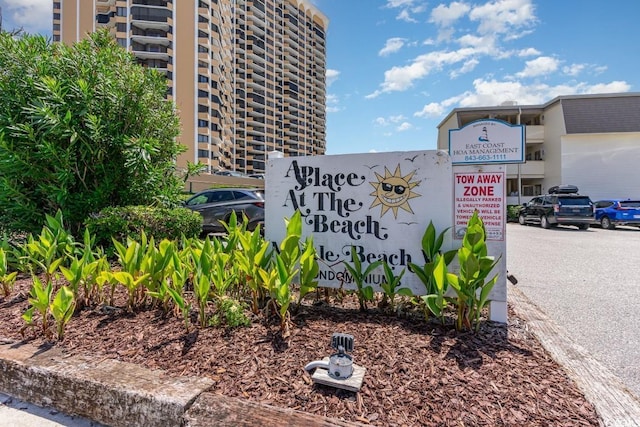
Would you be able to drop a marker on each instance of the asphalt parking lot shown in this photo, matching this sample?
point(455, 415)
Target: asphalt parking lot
point(588, 282)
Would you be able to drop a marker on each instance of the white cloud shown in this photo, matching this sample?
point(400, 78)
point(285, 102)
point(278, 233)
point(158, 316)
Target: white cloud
point(542, 65)
point(332, 104)
point(331, 76)
point(402, 78)
point(482, 43)
point(399, 3)
point(391, 46)
point(405, 16)
point(444, 16)
point(35, 16)
point(408, 8)
point(574, 69)
point(613, 87)
point(600, 69)
point(433, 109)
point(530, 51)
point(489, 93)
point(502, 16)
point(467, 67)
point(388, 121)
point(404, 126)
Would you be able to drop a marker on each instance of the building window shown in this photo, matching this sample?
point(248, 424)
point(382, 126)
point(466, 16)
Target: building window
point(203, 138)
point(203, 123)
point(532, 190)
point(122, 42)
point(121, 27)
point(122, 11)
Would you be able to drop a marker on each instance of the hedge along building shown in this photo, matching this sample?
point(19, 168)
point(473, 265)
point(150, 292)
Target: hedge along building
point(591, 141)
point(248, 77)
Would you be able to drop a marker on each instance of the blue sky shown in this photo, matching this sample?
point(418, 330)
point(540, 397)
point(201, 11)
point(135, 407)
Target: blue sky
point(396, 68)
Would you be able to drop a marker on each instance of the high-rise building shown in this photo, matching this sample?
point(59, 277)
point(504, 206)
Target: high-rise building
point(247, 76)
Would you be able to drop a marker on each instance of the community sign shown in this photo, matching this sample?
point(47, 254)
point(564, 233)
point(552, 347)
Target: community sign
point(487, 141)
point(375, 206)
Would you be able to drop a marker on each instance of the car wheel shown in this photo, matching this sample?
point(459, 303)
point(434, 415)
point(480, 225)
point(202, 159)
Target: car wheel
point(521, 220)
point(544, 222)
point(605, 222)
point(583, 226)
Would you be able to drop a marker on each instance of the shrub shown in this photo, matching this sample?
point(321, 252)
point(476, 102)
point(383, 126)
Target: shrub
point(129, 221)
point(512, 212)
point(82, 127)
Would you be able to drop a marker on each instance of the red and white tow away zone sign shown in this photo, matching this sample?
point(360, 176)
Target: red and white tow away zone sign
point(484, 192)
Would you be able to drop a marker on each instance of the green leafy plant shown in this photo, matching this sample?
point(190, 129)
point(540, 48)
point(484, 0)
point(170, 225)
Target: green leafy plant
point(39, 298)
point(132, 283)
point(471, 285)
point(78, 275)
point(51, 248)
point(359, 276)
point(432, 249)
point(181, 303)
point(391, 283)
point(135, 261)
point(231, 312)
point(278, 282)
point(222, 274)
point(437, 301)
point(201, 288)
point(309, 269)
point(254, 254)
point(62, 308)
point(7, 279)
point(513, 211)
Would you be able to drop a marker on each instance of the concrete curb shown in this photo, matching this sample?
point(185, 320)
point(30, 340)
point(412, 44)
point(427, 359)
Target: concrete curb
point(615, 404)
point(120, 394)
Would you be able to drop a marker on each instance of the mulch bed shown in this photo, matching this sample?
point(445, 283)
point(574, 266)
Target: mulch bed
point(417, 372)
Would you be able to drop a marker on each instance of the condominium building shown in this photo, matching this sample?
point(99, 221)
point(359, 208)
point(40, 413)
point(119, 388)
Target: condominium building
point(247, 76)
point(591, 141)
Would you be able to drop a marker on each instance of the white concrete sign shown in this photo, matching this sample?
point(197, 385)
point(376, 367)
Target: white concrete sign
point(379, 204)
point(487, 141)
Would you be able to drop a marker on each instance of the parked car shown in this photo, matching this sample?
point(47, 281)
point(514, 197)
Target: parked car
point(612, 212)
point(563, 205)
point(216, 205)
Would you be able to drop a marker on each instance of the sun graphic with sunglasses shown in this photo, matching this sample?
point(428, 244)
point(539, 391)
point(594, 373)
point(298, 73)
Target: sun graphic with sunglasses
point(393, 191)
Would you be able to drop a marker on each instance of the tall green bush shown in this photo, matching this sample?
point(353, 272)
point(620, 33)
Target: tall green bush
point(82, 127)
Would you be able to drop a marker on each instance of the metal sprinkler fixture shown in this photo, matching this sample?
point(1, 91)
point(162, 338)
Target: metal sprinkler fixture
point(338, 370)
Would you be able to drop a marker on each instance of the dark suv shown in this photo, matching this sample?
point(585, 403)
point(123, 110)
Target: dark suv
point(563, 205)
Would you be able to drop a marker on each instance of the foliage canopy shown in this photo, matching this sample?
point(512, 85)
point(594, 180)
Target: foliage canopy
point(82, 127)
